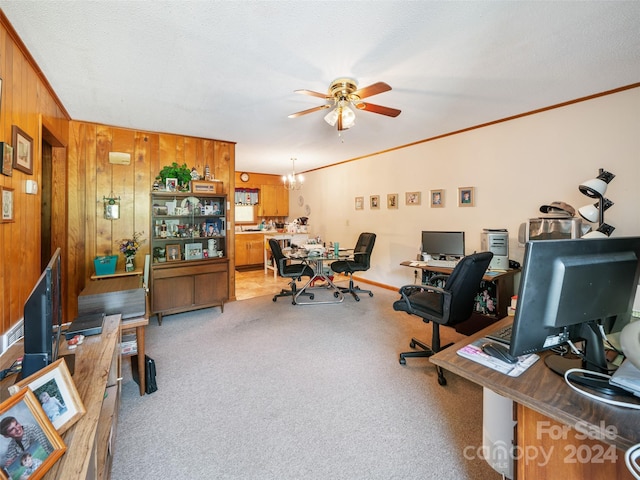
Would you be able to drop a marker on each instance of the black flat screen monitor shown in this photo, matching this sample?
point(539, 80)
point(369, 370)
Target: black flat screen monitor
point(443, 244)
point(43, 318)
point(569, 290)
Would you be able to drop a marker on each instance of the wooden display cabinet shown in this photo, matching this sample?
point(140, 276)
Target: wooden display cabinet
point(185, 273)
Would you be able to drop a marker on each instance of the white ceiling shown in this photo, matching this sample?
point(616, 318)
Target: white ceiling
point(228, 69)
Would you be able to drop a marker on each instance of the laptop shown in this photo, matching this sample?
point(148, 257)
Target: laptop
point(90, 324)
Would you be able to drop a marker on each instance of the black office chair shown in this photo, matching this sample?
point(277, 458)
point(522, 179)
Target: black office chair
point(360, 262)
point(287, 269)
point(449, 305)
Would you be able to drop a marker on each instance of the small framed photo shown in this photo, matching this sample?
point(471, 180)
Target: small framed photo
point(6, 157)
point(29, 441)
point(22, 150)
point(171, 184)
point(466, 197)
point(359, 203)
point(57, 394)
point(6, 202)
point(392, 201)
point(214, 227)
point(437, 198)
point(374, 202)
point(412, 198)
point(192, 251)
point(173, 252)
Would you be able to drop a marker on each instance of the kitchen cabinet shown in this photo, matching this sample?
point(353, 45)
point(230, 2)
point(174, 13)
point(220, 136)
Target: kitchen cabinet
point(249, 249)
point(274, 201)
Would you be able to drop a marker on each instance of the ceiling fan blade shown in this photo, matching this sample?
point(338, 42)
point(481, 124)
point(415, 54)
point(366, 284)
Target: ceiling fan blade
point(371, 90)
point(370, 107)
point(311, 110)
point(313, 94)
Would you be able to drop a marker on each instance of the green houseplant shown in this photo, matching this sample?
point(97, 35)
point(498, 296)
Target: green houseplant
point(181, 172)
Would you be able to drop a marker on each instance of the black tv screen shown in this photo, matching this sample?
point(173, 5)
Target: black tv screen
point(43, 318)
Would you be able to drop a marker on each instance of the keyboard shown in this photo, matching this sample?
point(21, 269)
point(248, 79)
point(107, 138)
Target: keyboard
point(442, 263)
point(503, 335)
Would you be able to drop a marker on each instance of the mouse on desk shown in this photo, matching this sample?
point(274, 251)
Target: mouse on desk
point(499, 351)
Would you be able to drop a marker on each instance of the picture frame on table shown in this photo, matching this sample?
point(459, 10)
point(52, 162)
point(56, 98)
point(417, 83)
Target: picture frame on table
point(359, 203)
point(6, 157)
point(392, 201)
point(54, 389)
point(6, 204)
point(21, 413)
point(171, 184)
point(173, 252)
point(192, 251)
point(374, 202)
point(413, 198)
point(466, 197)
point(22, 150)
point(437, 198)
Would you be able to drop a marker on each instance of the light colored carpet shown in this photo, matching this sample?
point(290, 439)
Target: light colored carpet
point(274, 391)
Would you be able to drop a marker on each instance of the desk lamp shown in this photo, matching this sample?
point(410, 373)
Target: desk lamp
point(596, 188)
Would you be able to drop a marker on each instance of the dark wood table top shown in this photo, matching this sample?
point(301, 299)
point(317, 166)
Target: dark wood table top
point(542, 390)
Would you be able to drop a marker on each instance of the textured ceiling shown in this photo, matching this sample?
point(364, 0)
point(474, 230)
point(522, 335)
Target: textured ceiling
point(228, 70)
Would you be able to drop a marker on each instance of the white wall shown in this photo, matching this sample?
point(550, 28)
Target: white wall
point(515, 167)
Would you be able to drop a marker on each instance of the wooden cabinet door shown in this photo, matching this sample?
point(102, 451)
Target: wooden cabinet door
point(210, 288)
point(242, 251)
point(282, 201)
point(255, 250)
point(171, 293)
point(267, 207)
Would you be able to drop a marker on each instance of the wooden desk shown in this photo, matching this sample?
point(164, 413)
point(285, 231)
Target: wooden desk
point(545, 407)
point(503, 282)
point(97, 378)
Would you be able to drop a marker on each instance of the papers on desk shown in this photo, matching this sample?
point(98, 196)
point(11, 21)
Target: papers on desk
point(474, 352)
point(417, 264)
point(627, 376)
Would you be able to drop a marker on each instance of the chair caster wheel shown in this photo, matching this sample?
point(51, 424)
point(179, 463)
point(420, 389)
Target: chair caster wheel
point(442, 381)
point(402, 361)
point(371, 294)
point(274, 299)
point(357, 299)
point(412, 344)
point(335, 294)
point(293, 302)
point(311, 297)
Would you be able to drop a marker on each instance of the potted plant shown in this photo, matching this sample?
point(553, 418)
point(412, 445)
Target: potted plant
point(180, 172)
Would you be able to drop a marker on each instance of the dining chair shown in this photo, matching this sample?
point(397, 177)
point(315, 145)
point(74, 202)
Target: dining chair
point(289, 269)
point(359, 262)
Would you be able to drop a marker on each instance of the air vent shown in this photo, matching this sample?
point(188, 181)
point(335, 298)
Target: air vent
point(15, 333)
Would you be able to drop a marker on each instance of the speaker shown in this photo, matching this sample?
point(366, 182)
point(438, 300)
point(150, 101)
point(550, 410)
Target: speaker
point(496, 242)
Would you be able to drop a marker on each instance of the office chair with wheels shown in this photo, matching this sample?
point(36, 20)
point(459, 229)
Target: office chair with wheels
point(360, 262)
point(447, 306)
point(287, 269)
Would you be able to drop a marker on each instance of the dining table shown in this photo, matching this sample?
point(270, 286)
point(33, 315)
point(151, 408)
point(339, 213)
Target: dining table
point(321, 280)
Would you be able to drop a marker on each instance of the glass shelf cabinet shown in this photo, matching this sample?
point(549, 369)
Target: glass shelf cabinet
point(189, 267)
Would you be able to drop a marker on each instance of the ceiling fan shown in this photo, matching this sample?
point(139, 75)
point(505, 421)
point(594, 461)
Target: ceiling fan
point(342, 93)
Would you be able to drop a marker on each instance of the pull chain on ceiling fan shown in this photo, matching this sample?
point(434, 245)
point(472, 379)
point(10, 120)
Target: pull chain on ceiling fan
point(344, 93)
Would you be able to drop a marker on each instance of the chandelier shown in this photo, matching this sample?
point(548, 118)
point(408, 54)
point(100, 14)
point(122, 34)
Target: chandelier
point(293, 181)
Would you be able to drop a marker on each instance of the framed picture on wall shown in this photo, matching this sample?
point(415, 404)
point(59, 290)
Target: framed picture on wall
point(359, 203)
point(412, 198)
point(466, 197)
point(374, 202)
point(6, 202)
point(437, 198)
point(6, 157)
point(22, 150)
point(392, 201)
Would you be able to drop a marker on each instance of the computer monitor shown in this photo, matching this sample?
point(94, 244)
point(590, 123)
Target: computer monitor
point(568, 289)
point(42, 319)
point(443, 244)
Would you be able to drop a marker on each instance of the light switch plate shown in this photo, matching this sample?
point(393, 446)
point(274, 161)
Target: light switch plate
point(31, 187)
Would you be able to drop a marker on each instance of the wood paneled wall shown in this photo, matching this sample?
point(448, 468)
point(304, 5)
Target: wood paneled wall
point(28, 102)
point(91, 178)
point(81, 177)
